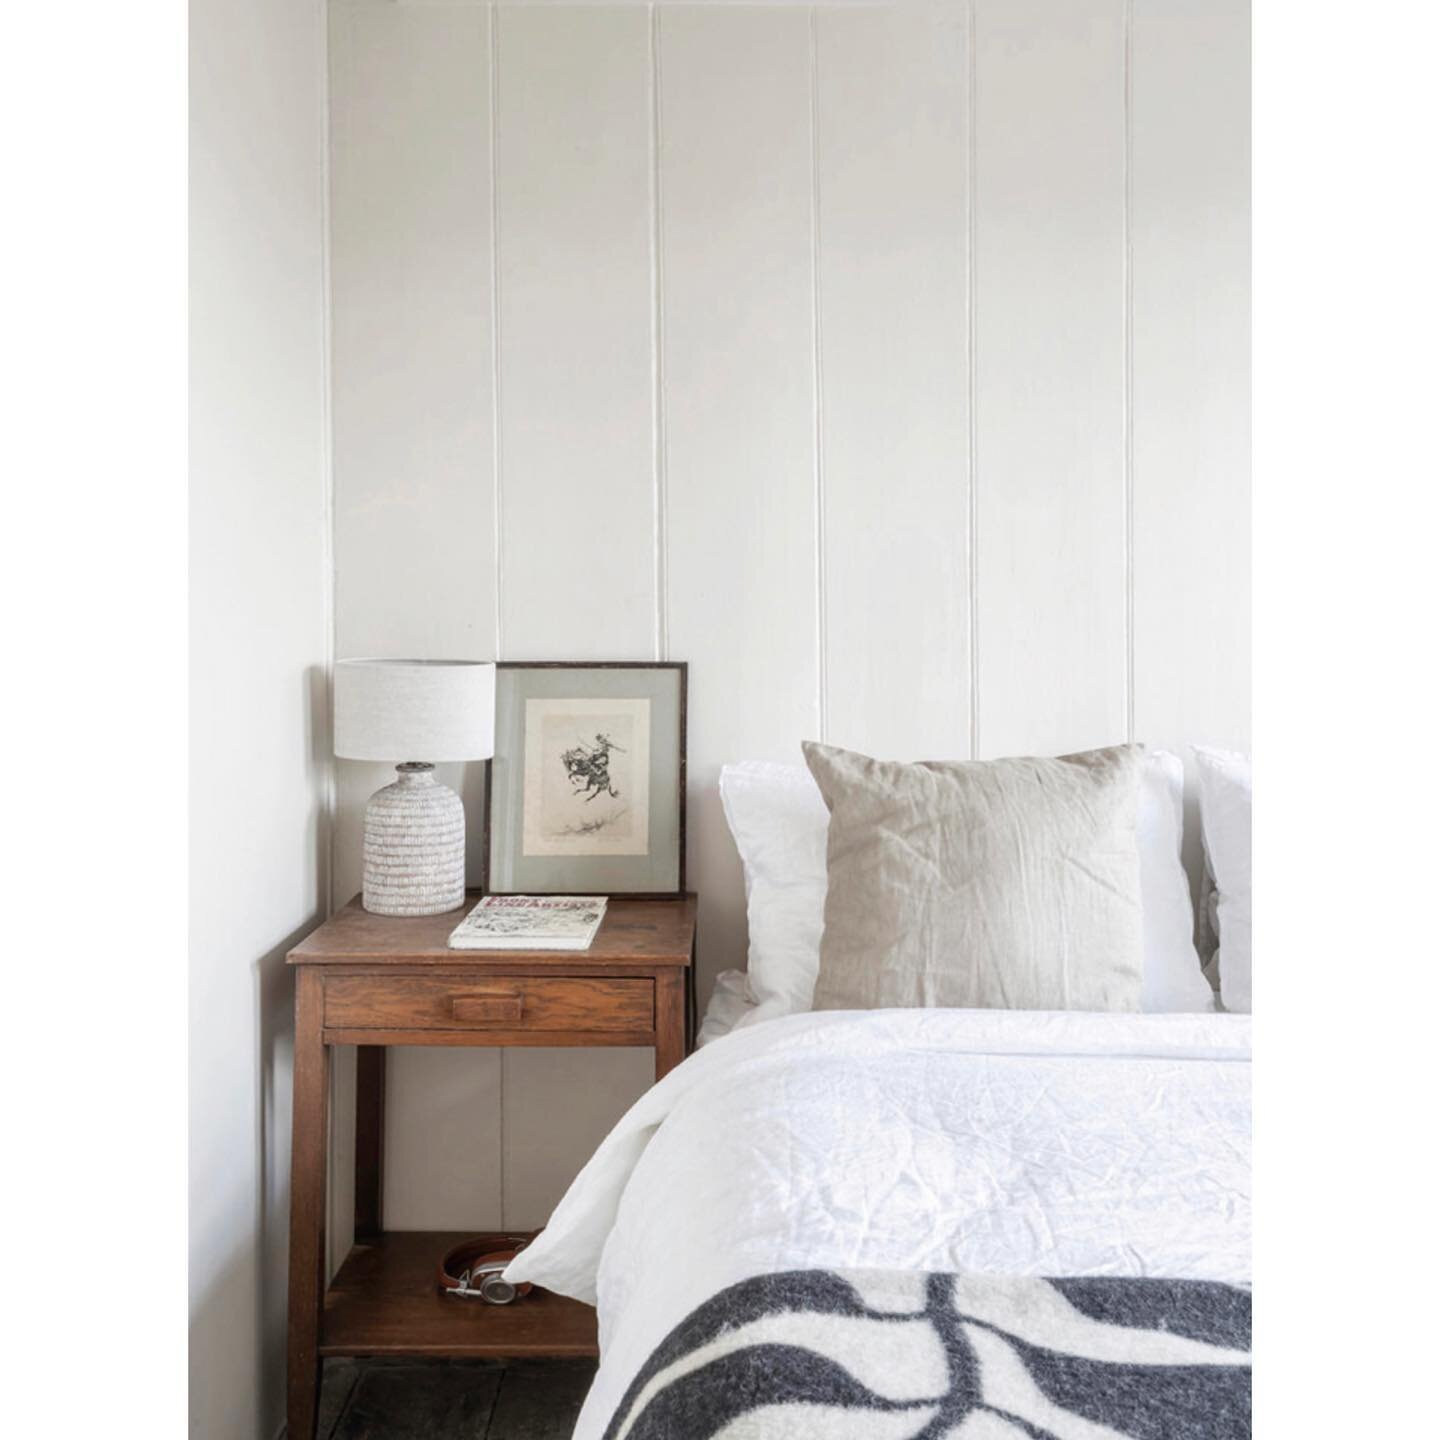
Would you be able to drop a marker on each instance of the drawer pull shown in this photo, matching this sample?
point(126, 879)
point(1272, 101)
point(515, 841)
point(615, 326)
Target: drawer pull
point(506, 1009)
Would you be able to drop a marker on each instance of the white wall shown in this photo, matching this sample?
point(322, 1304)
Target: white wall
point(888, 364)
point(259, 623)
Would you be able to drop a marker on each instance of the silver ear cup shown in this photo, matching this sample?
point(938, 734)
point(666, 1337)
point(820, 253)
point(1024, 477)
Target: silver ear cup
point(495, 1290)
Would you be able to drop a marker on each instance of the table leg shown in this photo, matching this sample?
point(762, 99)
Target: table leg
point(669, 1021)
point(369, 1141)
point(309, 1143)
point(692, 1016)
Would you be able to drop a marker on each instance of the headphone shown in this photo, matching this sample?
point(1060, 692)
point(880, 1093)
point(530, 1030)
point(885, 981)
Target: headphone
point(471, 1270)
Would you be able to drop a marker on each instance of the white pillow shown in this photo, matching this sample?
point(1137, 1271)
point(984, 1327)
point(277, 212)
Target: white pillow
point(780, 822)
point(1225, 787)
point(1173, 980)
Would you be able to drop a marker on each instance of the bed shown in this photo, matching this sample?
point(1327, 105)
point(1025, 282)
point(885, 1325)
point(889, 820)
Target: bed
point(876, 1150)
point(967, 1218)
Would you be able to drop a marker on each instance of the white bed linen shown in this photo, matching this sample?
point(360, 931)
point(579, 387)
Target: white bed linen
point(1012, 1142)
point(729, 1005)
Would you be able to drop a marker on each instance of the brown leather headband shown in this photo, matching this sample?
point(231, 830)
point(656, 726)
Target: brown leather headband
point(472, 1268)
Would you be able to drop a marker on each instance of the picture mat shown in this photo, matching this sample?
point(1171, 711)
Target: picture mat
point(509, 871)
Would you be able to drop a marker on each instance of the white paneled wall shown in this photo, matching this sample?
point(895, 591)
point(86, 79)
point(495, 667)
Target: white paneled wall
point(887, 363)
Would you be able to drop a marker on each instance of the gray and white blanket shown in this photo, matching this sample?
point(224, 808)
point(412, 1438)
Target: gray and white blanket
point(881, 1354)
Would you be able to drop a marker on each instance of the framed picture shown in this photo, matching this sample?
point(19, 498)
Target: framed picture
point(586, 793)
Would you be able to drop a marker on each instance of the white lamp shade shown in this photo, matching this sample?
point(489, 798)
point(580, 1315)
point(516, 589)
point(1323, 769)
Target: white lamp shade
point(397, 710)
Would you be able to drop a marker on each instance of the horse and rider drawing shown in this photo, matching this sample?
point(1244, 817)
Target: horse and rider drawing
point(588, 768)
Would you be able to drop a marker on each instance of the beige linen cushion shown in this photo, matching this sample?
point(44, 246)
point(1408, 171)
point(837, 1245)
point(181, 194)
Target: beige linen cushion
point(997, 884)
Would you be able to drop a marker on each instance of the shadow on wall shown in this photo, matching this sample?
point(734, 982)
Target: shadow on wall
point(249, 1289)
point(274, 996)
point(319, 701)
point(275, 1007)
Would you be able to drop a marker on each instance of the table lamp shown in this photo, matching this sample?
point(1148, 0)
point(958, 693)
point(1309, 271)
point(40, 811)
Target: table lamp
point(433, 710)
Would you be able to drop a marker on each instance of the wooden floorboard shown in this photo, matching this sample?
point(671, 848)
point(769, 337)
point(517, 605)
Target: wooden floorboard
point(540, 1399)
point(335, 1392)
point(405, 1399)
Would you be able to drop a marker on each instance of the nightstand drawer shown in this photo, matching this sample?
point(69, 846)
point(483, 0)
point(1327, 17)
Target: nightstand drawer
point(528, 1002)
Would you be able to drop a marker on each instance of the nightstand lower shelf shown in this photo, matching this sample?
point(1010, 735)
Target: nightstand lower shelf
point(385, 1301)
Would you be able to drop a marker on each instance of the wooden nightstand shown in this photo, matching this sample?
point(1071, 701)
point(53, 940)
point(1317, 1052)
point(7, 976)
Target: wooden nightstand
point(375, 981)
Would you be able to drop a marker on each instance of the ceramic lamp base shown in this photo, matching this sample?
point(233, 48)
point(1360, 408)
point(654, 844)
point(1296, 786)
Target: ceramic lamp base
point(414, 846)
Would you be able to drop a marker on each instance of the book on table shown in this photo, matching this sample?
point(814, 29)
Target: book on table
point(530, 922)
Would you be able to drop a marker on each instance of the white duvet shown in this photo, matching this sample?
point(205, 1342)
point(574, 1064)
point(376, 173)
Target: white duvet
point(1013, 1142)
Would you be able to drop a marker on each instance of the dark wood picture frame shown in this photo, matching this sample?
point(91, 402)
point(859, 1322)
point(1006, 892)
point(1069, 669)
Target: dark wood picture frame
point(683, 669)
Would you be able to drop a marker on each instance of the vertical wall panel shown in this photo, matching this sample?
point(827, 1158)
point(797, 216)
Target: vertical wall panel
point(574, 177)
point(410, 271)
point(411, 342)
point(559, 1105)
point(576, 414)
point(893, 157)
point(1050, 198)
point(1190, 193)
point(442, 1131)
point(738, 351)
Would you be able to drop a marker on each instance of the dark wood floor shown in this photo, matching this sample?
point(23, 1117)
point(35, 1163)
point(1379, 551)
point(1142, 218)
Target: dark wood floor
point(452, 1399)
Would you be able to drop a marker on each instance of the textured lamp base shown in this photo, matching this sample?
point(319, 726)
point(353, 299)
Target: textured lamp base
point(414, 846)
